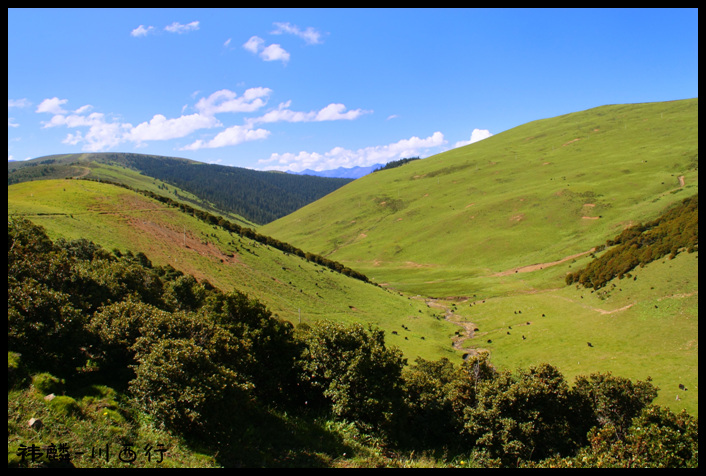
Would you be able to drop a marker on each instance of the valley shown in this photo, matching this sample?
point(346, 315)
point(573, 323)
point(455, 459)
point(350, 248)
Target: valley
point(467, 250)
point(494, 227)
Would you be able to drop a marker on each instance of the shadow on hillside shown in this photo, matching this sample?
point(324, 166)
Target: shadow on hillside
point(268, 439)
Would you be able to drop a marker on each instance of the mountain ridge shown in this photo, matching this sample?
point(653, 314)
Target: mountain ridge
point(257, 196)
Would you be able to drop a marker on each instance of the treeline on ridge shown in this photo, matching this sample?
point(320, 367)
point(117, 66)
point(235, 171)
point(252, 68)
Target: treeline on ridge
point(260, 197)
point(248, 233)
point(207, 365)
point(675, 230)
point(396, 163)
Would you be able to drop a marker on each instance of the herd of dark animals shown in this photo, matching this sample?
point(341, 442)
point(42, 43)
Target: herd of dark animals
point(490, 341)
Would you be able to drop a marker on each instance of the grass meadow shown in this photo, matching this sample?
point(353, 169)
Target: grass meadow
point(459, 224)
point(294, 289)
point(482, 235)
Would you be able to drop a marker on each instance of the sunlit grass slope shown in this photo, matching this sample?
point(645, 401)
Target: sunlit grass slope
point(644, 326)
point(536, 193)
point(495, 227)
point(289, 286)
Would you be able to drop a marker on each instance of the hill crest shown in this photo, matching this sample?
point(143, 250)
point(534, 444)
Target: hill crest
point(259, 197)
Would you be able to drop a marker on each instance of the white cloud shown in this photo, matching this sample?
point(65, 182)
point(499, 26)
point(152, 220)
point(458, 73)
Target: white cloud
point(273, 52)
point(24, 102)
point(232, 136)
point(74, 120)
point(83, 109)
point(254, 44)
point(177, 27)
point(142, 31)
point(310, 35)
point(52, 106)
point(161, 128)
point(16, 103)
point(101, 136)
point(228, 101)
point(332, 112)
point(340, 157)
point(476, 135)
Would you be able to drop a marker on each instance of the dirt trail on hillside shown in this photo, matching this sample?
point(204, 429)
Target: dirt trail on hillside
point(538, 266)
point(458, 340)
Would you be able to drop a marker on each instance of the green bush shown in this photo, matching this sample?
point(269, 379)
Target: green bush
point(431, 390)
point(606, 399)
point(524, 416)
point(657, 438)
point(43, 326)
point(271, 343)
point(17, 375)
point(186, 387)
point(353, 370)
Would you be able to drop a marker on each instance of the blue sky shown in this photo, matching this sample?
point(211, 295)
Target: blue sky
point(291, 89)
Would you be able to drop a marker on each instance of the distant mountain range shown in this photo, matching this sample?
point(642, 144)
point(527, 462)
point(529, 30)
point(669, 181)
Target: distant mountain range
point(341, 172)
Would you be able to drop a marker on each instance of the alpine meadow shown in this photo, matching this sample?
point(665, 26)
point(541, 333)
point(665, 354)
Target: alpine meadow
point(528, 300)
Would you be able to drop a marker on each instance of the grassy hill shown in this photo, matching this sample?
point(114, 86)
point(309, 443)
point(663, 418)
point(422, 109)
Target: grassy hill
point(259, 197)
point(537, 193)
point(471, 249)
point(292, 287)
point(495, 226)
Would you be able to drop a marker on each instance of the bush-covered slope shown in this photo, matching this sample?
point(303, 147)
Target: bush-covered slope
point(638, 245)
point(297, 285)
point(216, 371)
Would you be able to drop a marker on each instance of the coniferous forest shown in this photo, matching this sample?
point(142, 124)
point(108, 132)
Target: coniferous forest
point(260, 197)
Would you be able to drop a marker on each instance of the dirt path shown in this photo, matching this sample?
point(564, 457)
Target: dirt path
point(535, 267)
point(459, 338)
point(83, 173)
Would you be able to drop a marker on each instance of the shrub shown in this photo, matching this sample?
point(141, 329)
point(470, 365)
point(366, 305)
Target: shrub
point(186, 387)
point(606, 399)
point(353, 370)
point(43, 326)
point(271, 343)
point(17, 375)
point(431, 391)
point(657, 438)
point(522, 417)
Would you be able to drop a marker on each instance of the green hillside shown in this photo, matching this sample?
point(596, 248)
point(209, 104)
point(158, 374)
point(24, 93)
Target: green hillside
point(292, 287)
point(495, 227)
point(494, 253)
point(534, 194)
point(259, 197)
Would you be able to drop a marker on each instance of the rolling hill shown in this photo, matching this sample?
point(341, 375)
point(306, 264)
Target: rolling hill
point(537, 193)
point(494, 227)
point(468, 252)
point(294, 288)
point(259, 197)
point(470, 247)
